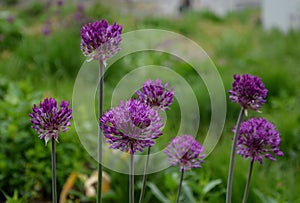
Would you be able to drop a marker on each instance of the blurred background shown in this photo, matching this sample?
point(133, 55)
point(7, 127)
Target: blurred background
point(40, 56)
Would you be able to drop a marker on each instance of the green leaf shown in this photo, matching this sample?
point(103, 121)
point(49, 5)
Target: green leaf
point(14, 198)
point(264, 198)
point(157, 193)
point(188, 193)
point(209, 186)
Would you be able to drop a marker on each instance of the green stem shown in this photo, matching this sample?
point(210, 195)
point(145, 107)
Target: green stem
point(53, 159)
point(100, 169)
point(179, 186)
point(248, 182)
point(145, 177)
point(131, 178)
point(232, 157)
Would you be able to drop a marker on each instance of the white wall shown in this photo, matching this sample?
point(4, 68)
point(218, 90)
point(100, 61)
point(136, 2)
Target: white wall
point(283, 14)
point(222, 7)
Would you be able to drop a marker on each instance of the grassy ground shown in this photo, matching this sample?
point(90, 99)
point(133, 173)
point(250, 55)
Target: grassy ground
point(34, 65)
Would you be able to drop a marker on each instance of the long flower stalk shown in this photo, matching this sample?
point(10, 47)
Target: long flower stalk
point(131, 178)
point(100, 168)
point(248, 182)
point(179, 186)
point(232, 157)
point(145, 176)
point(53, 159)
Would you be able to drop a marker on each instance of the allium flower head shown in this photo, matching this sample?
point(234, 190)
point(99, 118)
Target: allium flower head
point(46, 29)
point(248, 91)
point(131, 126)
point(10, 19)
point(59, 3)
point(186, 152)
point(48, 120)
point(156, 94)
point(258, 138)
point(100, 41)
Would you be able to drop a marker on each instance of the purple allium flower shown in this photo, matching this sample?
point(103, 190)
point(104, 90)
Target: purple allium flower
point(47, 29)
point(78, 15)
point(80, 7)
point(59, 3)
point(186, 152)
point(257, 138)
point(10, 19)
point(48, 4)
point(248, 91)
point(156, 95)
point(100, 41)
point(131, 126)
point(48, 120)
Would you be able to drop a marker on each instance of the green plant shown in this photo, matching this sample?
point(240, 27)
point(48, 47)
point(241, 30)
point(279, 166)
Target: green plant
point(10, 2)
point(14, 199)
point(10, 35)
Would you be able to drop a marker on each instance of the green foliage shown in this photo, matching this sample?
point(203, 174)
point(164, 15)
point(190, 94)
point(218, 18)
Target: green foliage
point(196, 187)
point(14, 199)
point(34, 9)
point(98, 11)
point(10, 2)
point(54, 60)
point(15, 136)
point(204, 15)
point(286, 107)
point(10, 34)
point(157, 193)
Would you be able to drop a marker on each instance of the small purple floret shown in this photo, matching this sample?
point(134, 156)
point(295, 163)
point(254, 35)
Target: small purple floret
point(186, 152)
point(60, 3)
point(258, 138)
point(46, 29)
point(48, 120)
point(100, 41)
point(10, 19)
point(156, 95)
point(248, 91)
point(131, 126)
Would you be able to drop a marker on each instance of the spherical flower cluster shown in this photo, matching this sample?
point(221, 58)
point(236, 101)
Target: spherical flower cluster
point(248, 91)
point(186, 152)
point(156, 95)
point(100, 41)
point(131, 126)
point(258, 138)
point(48, 120)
